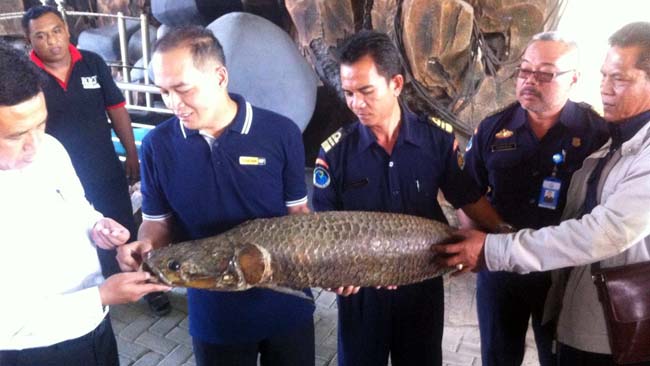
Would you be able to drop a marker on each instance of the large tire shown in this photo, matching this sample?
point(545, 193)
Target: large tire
point(264, 66)
point(183, 12)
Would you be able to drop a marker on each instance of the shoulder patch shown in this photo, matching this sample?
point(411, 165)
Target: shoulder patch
point(331, 141)
point(445, 126)
point(321, 178)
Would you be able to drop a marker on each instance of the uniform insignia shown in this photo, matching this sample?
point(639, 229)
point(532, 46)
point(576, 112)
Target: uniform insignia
point(334, 139)
point(504, 134)
point(469, 144)
point(576, 142)
point(445, 126)
point(460, 158)
point(321, 177)
point(251, 160)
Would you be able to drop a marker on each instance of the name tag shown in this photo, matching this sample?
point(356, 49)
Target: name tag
point(251, 160)
point(503, 147)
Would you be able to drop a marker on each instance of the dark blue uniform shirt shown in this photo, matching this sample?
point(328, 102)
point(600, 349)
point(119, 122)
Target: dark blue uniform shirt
point(254, 169)
point(353, 172)
point(76, 115)
point(510, 163)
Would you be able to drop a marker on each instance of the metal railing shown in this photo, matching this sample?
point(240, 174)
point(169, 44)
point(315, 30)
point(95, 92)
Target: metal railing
point(126, 85)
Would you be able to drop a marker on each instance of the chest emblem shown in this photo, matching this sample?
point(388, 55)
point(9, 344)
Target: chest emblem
point(504, 134)
point(90, 82)
point(576, 142)
point(251, 160)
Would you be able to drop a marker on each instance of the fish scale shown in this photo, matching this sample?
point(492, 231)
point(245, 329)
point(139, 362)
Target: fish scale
point(326, 249)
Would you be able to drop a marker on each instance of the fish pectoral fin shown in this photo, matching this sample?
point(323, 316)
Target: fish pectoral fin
point(289, 291)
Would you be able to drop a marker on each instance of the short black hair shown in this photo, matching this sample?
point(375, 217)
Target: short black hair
point(375, 44)
point(203, 45)
point(19, 78)
point(37, 12)
point(635, 34)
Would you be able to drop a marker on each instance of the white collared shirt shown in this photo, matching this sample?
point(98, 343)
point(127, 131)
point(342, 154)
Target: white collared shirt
point(50, 270)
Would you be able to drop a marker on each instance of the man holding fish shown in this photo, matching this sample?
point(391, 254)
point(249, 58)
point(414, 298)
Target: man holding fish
point(219, 162)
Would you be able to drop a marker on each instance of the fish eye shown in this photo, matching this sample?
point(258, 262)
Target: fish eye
point(173, 265)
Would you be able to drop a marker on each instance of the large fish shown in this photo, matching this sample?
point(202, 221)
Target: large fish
point(328, 249)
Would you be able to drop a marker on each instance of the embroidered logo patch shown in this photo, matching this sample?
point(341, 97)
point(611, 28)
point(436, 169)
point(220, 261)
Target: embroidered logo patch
point(90, 82)
point(251, 160)
point(321, 177)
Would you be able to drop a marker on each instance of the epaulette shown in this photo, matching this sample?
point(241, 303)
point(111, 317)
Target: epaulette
point(331, 141)
point(494, 113)
point(445, 126)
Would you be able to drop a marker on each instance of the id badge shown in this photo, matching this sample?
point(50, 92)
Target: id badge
point(550, 193)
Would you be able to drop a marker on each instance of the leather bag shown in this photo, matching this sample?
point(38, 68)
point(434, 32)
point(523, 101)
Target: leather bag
point(624, 292)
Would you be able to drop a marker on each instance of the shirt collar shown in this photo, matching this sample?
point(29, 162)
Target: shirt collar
point(241, 123)
point(405, 134)
point(624, 130)
point(569, 117)
point(75, 56)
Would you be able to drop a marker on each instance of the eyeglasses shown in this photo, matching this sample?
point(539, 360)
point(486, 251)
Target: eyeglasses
point(541, 76)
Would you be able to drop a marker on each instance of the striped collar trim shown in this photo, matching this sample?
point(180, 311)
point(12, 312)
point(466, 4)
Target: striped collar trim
point(242, 127)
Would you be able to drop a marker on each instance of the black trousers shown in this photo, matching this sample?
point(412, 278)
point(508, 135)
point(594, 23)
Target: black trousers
point(406, 323)
point(505, 304)
point(569, 356)
point(97, 348)
point(295, 348)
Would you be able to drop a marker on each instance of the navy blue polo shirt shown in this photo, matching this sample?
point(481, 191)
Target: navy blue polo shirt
point(353, 172)
point(76, 110)
point(254, 169)
point(510, 163)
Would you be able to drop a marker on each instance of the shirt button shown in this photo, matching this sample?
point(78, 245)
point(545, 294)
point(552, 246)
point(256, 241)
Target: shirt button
point(390, 164)
point(395, 193)
point(215, 144)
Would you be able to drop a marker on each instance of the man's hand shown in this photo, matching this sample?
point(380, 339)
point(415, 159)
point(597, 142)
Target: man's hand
point(352, 290)
point(129, 256)
point(121, 288)
point(464, 256)
point(132, 167)
point(345, 290)
point(108, 233)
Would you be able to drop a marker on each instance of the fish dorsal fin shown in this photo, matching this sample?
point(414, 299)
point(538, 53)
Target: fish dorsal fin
point(255, 264)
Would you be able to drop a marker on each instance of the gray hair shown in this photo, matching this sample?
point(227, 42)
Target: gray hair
point(555, 36)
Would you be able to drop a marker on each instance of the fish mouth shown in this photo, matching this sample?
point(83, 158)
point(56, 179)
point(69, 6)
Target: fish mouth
point(157, 276)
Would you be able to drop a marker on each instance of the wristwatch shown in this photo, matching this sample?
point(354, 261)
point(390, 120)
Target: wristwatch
point(504, 228)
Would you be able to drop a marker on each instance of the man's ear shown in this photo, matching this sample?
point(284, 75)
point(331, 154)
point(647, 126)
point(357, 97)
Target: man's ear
point(222, 74)
point(397, 84)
